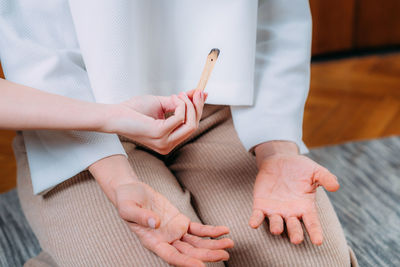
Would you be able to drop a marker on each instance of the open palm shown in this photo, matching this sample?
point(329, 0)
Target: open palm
point(285, 190)
point(171, 235)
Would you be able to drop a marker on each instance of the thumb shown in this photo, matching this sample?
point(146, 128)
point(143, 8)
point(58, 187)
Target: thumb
point(325, 178)
point(132, 213)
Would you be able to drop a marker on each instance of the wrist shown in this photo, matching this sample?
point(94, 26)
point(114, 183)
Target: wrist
point(109, 114)
point(112, 172)
point(269, 149)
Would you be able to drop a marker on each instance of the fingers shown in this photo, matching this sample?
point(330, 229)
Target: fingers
point(325, 178)
point(168, 103)
point(190, 93)
point(178, 127)
point(198, 100)
point(130, 212)
point(194, 111)
point(184, 121)
point(256, 218)
point(208, 243)
point(188, 127)
point(275, 224)
point(202, 230)
point(295, 231)
point(190, 110)
point(171, 255)
point(202, 254)
point(313, 226)
point(293, 225)
point(275, 221)
point(177, 119)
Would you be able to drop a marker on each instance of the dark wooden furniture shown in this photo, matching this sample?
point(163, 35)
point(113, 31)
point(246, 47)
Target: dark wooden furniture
point(346, 25)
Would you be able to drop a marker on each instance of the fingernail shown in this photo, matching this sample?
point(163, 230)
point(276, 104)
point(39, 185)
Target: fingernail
point(152, 223)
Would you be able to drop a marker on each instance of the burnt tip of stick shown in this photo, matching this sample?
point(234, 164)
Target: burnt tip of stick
point(214, 50)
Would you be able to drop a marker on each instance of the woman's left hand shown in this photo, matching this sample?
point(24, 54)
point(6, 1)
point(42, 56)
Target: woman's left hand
point(285, 191)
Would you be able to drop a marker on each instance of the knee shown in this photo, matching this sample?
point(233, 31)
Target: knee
point(278, 251)
point(328, 254)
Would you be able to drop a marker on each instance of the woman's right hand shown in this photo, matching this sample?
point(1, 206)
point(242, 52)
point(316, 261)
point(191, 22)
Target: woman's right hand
point(143, 119)
point(159, 225)
point(162, 229)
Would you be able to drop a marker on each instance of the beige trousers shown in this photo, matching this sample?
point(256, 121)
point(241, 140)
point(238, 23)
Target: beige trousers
point(209, 178)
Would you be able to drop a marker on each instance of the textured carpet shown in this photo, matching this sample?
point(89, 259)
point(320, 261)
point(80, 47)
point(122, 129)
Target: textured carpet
point(367, 204)
point(17, 241)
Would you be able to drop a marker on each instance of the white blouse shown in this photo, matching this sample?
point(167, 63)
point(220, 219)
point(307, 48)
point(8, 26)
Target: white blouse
point(109, 51)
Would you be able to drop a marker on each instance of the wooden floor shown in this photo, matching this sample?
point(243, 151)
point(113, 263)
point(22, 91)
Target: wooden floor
point(353, 99)
point(350, 99)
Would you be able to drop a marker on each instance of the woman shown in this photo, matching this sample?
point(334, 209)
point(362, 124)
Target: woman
point(108, 52)
point(53, 112)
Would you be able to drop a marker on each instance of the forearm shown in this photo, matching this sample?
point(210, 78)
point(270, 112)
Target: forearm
point(282, 75)
point(112, 172)
point(268, 149)
point(25, 108)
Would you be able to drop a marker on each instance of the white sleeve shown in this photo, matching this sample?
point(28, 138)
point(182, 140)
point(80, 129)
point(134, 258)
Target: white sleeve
point(282, 75)
point(38, 49)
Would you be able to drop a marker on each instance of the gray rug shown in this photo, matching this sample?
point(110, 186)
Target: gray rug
point(367, 204)
point(17, 241)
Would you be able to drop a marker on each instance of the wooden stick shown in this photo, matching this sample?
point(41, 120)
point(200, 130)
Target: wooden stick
point(208, 67)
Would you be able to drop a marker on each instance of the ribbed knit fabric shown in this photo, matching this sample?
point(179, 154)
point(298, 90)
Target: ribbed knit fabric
point(209, 178)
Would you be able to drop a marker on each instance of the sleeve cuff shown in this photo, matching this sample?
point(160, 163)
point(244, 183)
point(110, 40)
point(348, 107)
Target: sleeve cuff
point(56, 156)
point(250, 139)
point(253, 131)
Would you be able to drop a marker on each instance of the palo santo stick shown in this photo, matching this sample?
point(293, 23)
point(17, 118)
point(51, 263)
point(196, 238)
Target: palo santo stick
point(208, 67)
